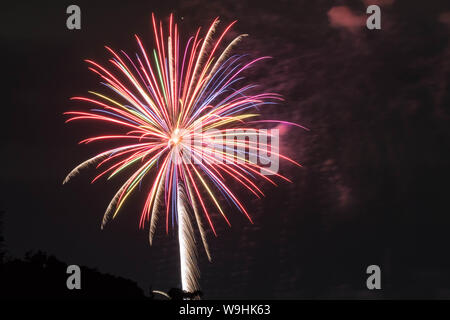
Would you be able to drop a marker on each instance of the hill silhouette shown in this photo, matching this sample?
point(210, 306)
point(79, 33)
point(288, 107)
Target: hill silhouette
point(43, 276)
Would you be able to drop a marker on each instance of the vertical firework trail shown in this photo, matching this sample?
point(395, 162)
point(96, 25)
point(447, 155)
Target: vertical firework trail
point(180, 116)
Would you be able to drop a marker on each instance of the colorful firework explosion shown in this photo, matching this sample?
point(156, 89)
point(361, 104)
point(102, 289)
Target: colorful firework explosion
point(163, 101)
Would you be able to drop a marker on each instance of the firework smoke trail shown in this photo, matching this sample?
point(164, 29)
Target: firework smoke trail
point(162, 101)
point(188, 254)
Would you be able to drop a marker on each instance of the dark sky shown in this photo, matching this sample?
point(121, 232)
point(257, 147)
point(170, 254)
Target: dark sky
point(374, 188)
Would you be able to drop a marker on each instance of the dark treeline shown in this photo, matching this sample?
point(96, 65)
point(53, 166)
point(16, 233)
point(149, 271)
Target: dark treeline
point(43, 276)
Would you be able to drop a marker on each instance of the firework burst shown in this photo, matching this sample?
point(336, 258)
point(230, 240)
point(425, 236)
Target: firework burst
point(174, 108)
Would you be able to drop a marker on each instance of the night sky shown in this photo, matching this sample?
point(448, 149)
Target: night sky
point(373, 189)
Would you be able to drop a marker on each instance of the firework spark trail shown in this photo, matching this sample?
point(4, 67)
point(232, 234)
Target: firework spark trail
point(162, 101)
point(186, 240)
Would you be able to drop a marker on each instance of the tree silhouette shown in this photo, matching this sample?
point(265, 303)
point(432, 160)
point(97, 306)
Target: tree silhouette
point(40, 276)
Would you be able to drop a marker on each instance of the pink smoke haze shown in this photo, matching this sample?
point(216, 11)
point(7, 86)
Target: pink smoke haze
point(381, 3)
point(445, 18)
point(343, 17)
